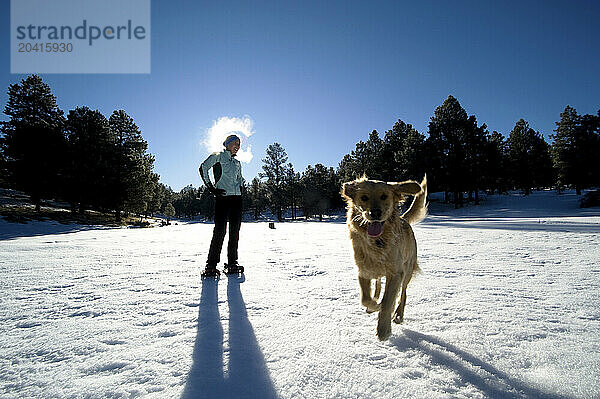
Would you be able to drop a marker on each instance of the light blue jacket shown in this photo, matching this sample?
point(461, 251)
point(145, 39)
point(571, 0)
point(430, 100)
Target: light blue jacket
point(227, 171)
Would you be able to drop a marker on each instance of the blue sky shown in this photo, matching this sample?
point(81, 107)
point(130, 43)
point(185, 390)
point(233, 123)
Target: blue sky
point(317, 77)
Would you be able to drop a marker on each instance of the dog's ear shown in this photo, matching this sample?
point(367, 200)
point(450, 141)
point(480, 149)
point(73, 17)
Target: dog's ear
point(349, 190)
point(409, 187)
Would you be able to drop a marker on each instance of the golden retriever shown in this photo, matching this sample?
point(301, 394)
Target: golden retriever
point(383, 242)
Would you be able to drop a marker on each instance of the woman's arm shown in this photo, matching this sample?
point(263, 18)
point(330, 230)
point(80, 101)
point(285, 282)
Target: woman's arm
point(203, 170)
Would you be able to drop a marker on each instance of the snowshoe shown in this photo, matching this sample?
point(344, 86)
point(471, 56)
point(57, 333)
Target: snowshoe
point(233, 268)
point(211, 271)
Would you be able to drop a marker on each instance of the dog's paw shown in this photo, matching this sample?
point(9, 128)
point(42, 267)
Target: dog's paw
point(384, 330)
point(376, 307)
point(371, 306)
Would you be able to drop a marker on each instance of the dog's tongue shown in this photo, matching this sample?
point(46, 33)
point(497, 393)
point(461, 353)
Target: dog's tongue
point(375, 229)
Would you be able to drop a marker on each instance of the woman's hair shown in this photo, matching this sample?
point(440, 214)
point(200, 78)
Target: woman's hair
point(230, 139)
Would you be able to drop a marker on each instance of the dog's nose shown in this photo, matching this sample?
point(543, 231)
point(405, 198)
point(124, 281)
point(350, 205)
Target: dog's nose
point(375, 213)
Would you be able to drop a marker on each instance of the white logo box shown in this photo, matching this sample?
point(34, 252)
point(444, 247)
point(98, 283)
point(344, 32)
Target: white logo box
point(80, 36)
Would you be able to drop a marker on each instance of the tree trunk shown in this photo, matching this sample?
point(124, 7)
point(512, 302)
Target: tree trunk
point(37, 201)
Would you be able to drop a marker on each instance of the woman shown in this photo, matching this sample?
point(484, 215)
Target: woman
point(228, 206)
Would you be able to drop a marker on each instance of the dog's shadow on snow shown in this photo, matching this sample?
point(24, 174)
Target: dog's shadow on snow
point(493, 383)
point(247, 375)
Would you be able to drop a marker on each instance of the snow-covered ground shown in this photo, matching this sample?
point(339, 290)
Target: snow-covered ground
point(508, 305)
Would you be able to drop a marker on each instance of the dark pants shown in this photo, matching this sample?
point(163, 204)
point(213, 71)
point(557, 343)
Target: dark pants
point(226, 208)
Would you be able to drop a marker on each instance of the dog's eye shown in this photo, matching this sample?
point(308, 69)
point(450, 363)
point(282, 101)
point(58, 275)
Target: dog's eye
point(383, 197)
point(364, 198)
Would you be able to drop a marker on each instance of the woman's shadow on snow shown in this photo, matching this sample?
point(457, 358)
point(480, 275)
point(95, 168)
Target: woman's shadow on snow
point(247, 375)
point(496, 384)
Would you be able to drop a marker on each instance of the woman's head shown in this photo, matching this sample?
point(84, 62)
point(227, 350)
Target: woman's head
point(232, 144)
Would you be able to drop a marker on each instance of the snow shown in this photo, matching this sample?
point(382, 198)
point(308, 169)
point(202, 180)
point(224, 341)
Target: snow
point(508, 305)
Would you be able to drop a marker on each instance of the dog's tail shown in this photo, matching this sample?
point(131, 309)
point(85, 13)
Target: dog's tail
point(418, 208)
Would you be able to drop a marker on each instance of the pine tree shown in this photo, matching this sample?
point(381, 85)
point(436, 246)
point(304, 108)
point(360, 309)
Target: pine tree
point(575, 148)
point(476, 142)
point(166, 195)
point(496, 176)
point(133, 181)
point(565, 147)
point(3, 170)
point(316, 191)
point(590, 133)
point(292, 185)
point(275, 170)
point(169, 211)
point(446, 148)
point(334, 185)
point(403, 153)
point(369, 157)
point(207, 203)
point(257, 197)
point(4, 182)
point(347, 169)
point(366, 159)
point(141, 183)
point(90, 154)
point(157, 195)
point(528, 157)
point(33, 141)
point(190, 202)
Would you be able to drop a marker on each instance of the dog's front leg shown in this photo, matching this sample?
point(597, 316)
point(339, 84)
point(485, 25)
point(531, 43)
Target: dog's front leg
point(365, 295)
point(384, 323)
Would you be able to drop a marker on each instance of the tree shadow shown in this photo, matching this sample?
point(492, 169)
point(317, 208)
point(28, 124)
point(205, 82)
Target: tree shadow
point(529, 224)
point(497, 385)
point(247, 375)
point(9, 231)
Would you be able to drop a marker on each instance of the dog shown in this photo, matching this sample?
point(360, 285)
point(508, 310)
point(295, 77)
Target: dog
point(383, 242)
